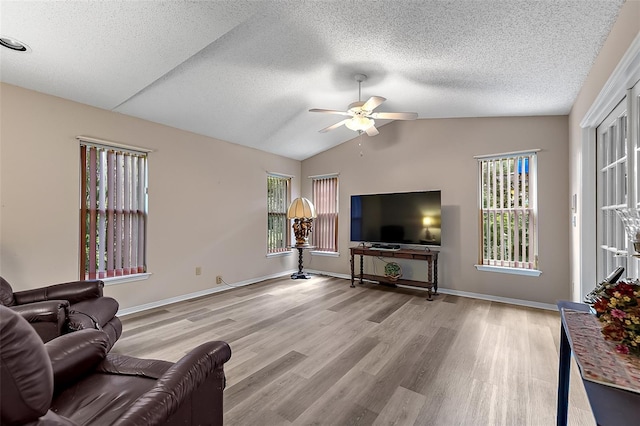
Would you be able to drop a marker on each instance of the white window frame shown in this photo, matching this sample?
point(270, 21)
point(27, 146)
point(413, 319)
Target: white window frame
point(614, 182)
point(514, 196)
point(113, 266)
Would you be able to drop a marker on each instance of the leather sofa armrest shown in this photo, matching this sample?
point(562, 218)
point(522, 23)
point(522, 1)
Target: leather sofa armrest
point(178, 384)
point(76, 354)
point(129, 366)
point(73, 291)
point(44, 311)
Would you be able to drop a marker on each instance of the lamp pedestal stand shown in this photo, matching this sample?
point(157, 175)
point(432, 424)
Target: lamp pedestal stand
point(301, 274)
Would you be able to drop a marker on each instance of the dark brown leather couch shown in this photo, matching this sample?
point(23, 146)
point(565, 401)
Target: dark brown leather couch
point(71, 380)
point(61, 308)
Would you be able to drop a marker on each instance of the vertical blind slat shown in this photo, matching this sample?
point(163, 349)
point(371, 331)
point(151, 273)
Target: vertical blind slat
point(126, 246)
point(142, 218)
point(494, 244)
point(92, 213)
point(83, 211)
point(134, 215)
point(102, 210)
point(517, 259)
point(111, 218)
point(119, 213)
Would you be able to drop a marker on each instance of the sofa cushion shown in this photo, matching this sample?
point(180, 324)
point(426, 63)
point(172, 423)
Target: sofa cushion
point(26, 376)
point(87, 313)
point(100, 399)
point(6, 293)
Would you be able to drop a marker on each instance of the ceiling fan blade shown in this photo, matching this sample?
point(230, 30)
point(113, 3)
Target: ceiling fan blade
point(334, 126)
point(373, 103)
point(372, 131)
point(395, 115)
point(331, 111)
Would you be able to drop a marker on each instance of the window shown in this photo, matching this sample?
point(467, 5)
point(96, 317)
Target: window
point(278, 200)
point(113, 212)
point(612, 188)
point(325, 199)
point(508, 211)
point(618, 180)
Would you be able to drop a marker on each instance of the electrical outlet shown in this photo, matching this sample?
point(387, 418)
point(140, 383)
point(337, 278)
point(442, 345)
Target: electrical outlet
point(219, 279)
point(198, 270)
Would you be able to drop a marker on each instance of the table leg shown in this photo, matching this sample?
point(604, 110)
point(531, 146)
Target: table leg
point(435, 276)
point(563, 378)
point(361, 268)
point(352, 272)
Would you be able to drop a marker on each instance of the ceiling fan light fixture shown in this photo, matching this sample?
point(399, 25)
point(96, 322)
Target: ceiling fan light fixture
point(359, 123)
point(362, 113)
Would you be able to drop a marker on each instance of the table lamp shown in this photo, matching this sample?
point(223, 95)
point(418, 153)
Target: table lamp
point(302, 212)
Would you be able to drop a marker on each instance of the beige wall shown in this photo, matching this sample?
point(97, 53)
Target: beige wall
point(626, 28)
point(207, 199)
point(438, 154)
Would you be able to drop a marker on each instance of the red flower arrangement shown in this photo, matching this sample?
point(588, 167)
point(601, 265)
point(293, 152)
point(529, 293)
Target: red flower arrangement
point(618, 308)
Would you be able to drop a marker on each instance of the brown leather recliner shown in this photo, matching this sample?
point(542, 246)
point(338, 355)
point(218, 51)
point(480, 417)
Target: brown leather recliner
point(61, 308)
point(72, 380)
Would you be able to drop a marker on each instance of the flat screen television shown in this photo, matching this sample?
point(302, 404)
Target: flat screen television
point(397, 218)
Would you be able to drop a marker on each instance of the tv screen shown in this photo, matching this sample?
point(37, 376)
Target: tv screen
point(398, 218)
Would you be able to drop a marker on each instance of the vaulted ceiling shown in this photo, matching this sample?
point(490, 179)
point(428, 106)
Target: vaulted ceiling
point(247, 72)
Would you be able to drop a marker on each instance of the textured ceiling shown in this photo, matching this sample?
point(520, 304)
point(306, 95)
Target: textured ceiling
point(248, 71)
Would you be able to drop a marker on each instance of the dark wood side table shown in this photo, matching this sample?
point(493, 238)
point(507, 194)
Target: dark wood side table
point(429, 256)
point(611, 380)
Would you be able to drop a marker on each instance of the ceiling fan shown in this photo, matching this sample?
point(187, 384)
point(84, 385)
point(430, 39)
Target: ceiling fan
point(361, 113)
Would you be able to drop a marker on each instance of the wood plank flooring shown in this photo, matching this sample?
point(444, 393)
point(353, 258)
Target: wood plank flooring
point(311, 352)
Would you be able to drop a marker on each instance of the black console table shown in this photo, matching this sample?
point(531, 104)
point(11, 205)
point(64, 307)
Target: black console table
point(611, 380)
point(429, 256)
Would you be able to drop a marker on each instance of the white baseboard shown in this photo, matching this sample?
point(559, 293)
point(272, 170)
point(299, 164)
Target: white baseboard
point(488, 297)
point(519, 302)
point(189, 296)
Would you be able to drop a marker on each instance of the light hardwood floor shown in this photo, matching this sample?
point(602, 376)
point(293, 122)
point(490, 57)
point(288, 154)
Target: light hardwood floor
point(319, 352)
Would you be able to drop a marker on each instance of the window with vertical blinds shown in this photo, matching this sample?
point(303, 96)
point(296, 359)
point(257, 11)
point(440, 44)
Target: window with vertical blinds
point(325, 199)
point(113, 212)
point(278, 200)
point(508, 210)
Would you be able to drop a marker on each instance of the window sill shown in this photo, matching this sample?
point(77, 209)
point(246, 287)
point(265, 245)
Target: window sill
point(326, 253)
point(506, 270)
point(280, 253)
point(126, 279)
